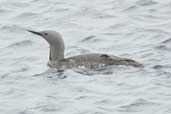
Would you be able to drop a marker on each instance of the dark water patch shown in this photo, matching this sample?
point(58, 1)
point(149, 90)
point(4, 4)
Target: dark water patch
point(88, 38)
point(166, 41)
point(150, 16)
point(162, 47)
point(105, 102)
point(27, 14)
point(4, 12)
point(96, 112)
point(162, 69)
point(4, 75)
point(111, 33)
point(59, 2)
point(104, 16)
point(35, 0)
point(117, 26)
point(131, 8)
point(62, 10)
point(146, 2)
point(157, 67)
point(25, 112)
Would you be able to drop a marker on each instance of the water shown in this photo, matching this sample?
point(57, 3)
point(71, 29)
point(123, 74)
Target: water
point(137, 29)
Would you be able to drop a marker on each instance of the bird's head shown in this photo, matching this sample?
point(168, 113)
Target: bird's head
point(55, 41)
point(52, 37)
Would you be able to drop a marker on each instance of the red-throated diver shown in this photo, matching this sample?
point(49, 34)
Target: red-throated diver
point(92, 60)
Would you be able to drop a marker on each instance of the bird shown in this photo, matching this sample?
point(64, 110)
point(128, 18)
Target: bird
point(90, 60)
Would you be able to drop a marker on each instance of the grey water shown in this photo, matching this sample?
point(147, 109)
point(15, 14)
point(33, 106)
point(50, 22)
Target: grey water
point(136, 29)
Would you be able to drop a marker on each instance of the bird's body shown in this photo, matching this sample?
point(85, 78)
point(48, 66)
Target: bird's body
point(92, 60)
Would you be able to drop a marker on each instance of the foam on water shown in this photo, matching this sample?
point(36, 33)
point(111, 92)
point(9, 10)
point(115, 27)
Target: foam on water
point(137, 29)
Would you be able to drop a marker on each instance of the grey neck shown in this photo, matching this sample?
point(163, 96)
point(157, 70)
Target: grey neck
point(56, 53)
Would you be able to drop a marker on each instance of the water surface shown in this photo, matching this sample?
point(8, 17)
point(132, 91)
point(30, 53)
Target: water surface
point(136, 29)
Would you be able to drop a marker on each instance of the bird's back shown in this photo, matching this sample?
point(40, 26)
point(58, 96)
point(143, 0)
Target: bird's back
point(94, 60)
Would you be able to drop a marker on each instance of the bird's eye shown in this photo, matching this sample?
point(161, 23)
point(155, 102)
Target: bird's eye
point(46, 34)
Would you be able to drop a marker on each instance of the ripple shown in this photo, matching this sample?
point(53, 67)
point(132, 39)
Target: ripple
point(20, 44)
point(11, 28)
point(156, 67)
point(2, 76)
point(163, 47)
point(88, 38)
point(25, 112)
point(131, 8)
point(146, 2)
point(167, 41)
point(62, 10)
point(26, 16)
point(5, 12)
point(139, 29)
point(138, 105)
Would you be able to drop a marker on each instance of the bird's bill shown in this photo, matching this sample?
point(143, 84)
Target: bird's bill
point(34, 32)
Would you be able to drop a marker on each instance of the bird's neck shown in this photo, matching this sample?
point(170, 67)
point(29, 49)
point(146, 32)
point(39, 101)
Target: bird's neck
point(56, 53)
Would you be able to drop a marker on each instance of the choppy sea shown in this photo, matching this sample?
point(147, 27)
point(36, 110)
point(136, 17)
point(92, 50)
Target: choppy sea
point(136, 29)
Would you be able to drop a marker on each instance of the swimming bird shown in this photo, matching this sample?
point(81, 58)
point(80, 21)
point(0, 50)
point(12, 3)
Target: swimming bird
point(92, 60)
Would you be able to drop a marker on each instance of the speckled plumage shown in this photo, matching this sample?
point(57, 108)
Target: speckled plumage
point(92, 60)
